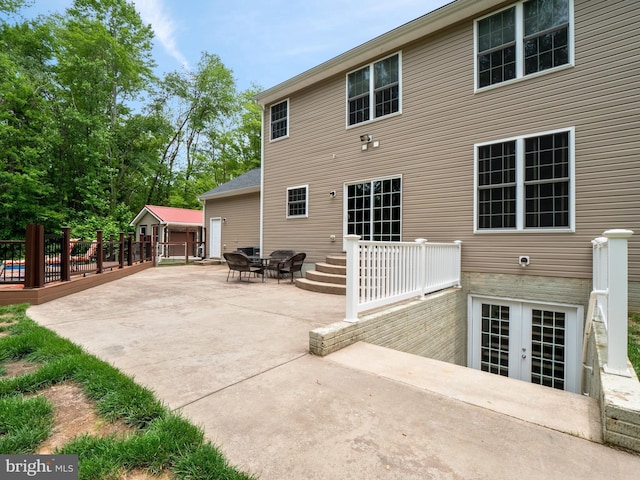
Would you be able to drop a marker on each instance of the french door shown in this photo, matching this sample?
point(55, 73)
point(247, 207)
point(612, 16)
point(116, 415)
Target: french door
point(373, 209)
point(537, 343)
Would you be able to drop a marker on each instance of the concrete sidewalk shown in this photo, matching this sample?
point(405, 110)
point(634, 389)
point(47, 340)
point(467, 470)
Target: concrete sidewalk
point(233, 358)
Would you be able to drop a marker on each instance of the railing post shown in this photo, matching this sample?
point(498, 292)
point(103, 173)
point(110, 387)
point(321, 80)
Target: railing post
point(99, 251)
point(154, 245)
point(121, 251)
point(459, 258)
point(130, 249)
point(353, 277)
point(34, 256)
point(65, 255)
point(617, 317)
point(186, 246)
point(422, 266)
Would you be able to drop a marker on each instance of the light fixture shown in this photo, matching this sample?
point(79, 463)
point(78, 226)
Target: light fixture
point(224, 220)
point(365, 138)
point(332, 193)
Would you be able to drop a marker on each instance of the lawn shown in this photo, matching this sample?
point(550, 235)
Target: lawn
point(634, 341)
point(134, 434)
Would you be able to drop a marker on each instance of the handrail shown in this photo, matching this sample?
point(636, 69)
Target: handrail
point(591, 312)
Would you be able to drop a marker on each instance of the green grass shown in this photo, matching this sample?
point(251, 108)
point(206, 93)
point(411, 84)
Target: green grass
point(634, 341)
point(161, 440)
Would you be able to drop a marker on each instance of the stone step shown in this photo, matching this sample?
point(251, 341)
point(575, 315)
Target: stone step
point(318, 276)
point(321, 287)
point(329, 268)
point(337, 260)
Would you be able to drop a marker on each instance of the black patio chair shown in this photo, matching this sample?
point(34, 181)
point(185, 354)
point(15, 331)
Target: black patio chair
point(288, 266)
point(239, 262)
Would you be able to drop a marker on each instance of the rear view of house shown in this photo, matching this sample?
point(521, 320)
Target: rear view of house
point(511, 126)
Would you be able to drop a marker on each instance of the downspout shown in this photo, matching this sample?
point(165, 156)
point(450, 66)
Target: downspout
point(261, 178)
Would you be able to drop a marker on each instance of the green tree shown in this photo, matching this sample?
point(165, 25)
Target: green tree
point(193, 101)
point(103, 64)
point(27, 132)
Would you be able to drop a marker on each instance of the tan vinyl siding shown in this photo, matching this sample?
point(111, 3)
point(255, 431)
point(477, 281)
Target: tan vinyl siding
point(242, 226)
point(431, 145)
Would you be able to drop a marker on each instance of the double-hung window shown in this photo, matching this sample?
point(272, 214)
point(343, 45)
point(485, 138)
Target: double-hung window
point(526, 183)
point(374, 91)
point(280, 120)
point(297, 201)
point(526, 38)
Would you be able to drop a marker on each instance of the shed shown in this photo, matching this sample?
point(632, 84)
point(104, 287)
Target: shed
point(175, 227)
point(232, 214)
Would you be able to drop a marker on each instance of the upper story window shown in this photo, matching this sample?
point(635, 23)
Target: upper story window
point(526, 183)
point(280, 120)
point(297, 201)
point(524, 39)
point(374, 91)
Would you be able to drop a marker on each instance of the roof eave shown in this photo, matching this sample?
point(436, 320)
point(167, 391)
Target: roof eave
point(430, 23)
point(229, 193)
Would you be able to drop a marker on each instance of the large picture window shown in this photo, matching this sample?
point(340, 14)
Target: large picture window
point(280, 120)
point(374, 91)
point(526, 38)
point(374, 210)
point(525, 183)
point(297, 201)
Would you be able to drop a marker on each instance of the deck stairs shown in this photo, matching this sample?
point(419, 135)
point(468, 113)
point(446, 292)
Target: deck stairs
point(329, 276)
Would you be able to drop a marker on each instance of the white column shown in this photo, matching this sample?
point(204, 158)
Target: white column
point(617, 316)
point(353, 277)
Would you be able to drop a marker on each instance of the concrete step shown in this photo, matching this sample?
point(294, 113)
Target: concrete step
point(317, 276)
point(337, 260)
point(321, 287)
point(329, 268)
point(544, 406)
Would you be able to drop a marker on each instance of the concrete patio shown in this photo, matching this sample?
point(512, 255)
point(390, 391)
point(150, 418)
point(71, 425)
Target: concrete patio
point(233, 357)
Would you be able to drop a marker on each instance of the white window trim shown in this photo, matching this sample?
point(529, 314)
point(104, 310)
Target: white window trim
point(372, 105)
point(271, 140)
point(520, 76)
point(306, 204)
point(520, 200)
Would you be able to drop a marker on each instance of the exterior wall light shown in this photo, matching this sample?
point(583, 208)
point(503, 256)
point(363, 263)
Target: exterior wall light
point(366, 138)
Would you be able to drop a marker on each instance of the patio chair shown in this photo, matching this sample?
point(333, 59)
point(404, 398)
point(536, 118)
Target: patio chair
point(239, 262)
point(288, 266)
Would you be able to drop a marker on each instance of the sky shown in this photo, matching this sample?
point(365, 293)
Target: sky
point(264, 42)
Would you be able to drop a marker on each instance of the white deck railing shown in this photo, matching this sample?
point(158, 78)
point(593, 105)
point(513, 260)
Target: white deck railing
point(609, 298)
point(381, 273)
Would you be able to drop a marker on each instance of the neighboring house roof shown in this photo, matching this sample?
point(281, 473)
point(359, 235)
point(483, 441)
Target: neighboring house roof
point(246, 183)
point(428, 24)
point(171, 215)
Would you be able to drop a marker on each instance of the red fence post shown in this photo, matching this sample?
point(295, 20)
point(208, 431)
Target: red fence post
point(186, 246)
point(121, 252)
point(154, 244)
point(130, 250)
point(99, 251)
point(34, 256)
point(65, 255)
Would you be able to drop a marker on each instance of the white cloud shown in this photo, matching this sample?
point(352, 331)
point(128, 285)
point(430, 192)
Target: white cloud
point(155, 13)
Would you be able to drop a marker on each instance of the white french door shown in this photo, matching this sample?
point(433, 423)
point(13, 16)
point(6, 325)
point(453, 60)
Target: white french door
point(215, 236)
point(537, 343)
